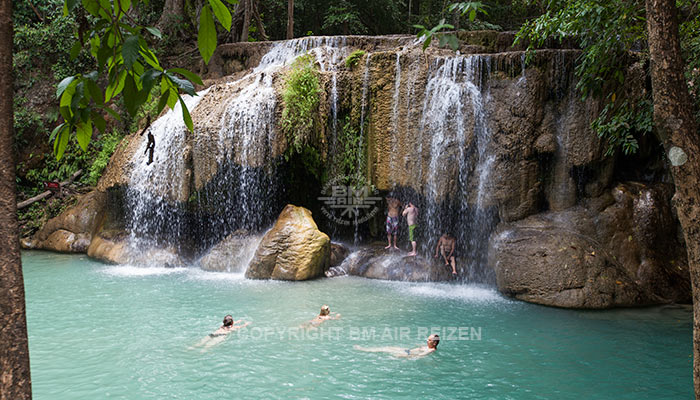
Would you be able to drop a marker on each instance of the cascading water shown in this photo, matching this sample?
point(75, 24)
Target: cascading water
point(243, 191)
point(452, 132)
point(453, 117)
point(155, 189)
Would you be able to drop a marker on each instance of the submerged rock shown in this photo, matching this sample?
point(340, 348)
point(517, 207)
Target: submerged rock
point(375, 262)
point(294, 249)
point(621, 249)
point(231, 254)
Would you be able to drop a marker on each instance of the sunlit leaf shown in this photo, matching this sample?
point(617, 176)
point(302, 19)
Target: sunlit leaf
point(206, 38)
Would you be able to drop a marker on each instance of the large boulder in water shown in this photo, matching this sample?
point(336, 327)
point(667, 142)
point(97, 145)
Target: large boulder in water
point(231, 254)
point(620, 249)
point(294, 249)
point(375, 262)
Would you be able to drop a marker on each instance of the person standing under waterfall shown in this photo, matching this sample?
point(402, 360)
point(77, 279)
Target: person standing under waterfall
point(392, 220)
point(411, 214)
point(446, 246)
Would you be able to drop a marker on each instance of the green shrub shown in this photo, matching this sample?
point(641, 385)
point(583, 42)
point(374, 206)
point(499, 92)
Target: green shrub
point(354, 58)
point(301, 98)
point(108, 145)
point(620, 124)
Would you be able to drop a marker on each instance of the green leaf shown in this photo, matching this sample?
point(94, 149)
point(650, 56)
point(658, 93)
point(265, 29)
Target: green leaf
point(163, 101)
point(155, 32)
point(84, 134)
point(184, 85)
point(68, 6)
point(115, 86)
point(63, 85)
point(186, 115)
point(92, 7)
point(55, 131)
point(95, 92)
point(113, 113)
point(130, 50)
point(125, 5)
point(206, 38)
point(472, 14)
point(99, 121)
point(131, 98)
point(149, 78)
point(222, 13)
point(59, 145)
point(173, 96)
point(194, 78)
point(75, 50)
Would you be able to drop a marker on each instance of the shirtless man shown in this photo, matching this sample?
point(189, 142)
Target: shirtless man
point(411, 214)
point(446, 245)
point(392, 220)
point(400, 352)
point(323, 316)
point(218, 336)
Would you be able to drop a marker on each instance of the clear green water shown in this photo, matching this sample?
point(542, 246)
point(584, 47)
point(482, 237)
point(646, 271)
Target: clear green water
point(98, 331)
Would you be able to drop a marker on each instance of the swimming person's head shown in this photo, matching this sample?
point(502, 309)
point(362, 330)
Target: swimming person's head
point(433, 341)
point(228, 321)
point(325, 310)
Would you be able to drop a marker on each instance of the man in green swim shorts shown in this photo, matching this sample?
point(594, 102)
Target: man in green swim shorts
point(411, 214)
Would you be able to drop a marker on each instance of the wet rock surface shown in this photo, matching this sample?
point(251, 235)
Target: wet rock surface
point(73, 230)
point(375, 262)
point(621, 249)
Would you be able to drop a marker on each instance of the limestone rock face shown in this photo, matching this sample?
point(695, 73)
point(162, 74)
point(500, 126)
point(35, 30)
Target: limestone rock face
point(72, 230)
point(338, 254)
point(294, 249)
point(231, 254)
point(375, 262)
point(598, 255)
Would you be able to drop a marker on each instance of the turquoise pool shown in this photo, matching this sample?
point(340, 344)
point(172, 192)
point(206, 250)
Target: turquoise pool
point(99, 331)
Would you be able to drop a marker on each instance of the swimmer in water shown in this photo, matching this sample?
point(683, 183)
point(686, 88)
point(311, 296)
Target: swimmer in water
point(400, 352)
point(218, 336)
point(323, 316)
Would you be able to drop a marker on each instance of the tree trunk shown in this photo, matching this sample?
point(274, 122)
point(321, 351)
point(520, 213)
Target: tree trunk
point(246, 19)
point(171, 11)
point(15, 381)
point(258, 21)
point(290, 19)
point(676, 127)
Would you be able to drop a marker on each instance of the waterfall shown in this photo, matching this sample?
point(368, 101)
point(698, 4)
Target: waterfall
point(238, 185)
point(454, 127)
point(154, 189)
